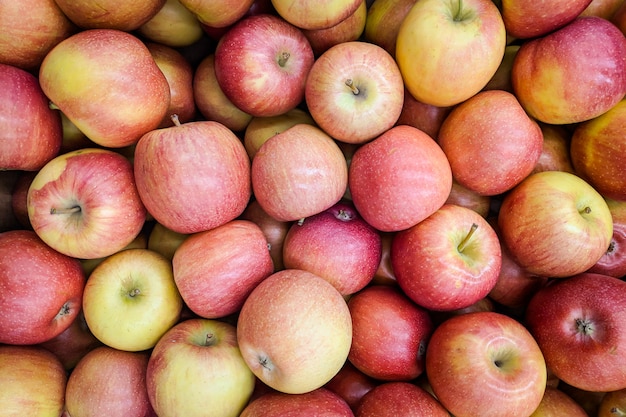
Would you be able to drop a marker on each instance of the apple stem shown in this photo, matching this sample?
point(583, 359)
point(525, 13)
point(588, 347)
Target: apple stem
point(459, 11)
point(209, 340)
point(284, 57)
point(353, 87)
point(175, 120)
point(69, 210)
point(467, 238)
point(586, 210)
point(301, 221)
point(134, 292)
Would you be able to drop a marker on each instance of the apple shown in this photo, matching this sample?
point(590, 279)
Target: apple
point(351, 384)
point(298, 173)
point(141, 241)
point(294, 331)
point(425, 117)
point(109, 14)
point(586, 58)
point(33, 382)
point(580, 317)
point(613, 262)
point(164, 241)
point(399, 179)
point(218, 13)
point(40, 289)
point(193, 176)
point(383, 21)
point(173, 25)
point(262, 63)
point(399, 398)
point(211, 101)
point(463, 196)
point(85, 203)
point(619, 18)
point(108, 84)
point(556, 403)
point(435, 37)
point(605, 9)
point(31, 131)
point(108, 381)
point(613, 404)
point(555, 154)
point(73, 138)
point(257, 7)
point(525, 20)
point(490, 142)
point(354, 91)
point(131, 300)
point(215, 270)
point(22, 46)
point(588, 400)
point(597, 155)
point(307, 14)
point(320, 401)
point(389, 334)
point(384, 274)
point(197, 366)
point(501, 80)
point(555, 224)
point(485, 364)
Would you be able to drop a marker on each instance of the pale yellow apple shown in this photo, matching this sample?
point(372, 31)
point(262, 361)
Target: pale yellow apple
point(383, 22)
point(164, 240)
point(174, 25)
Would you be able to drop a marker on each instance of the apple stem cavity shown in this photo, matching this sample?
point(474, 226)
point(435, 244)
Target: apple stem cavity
point(284, 57)
point(353, 87)
point(344, 215)
point(617, 412)
point(68, 210)
point(210, 339)
point(467, 238)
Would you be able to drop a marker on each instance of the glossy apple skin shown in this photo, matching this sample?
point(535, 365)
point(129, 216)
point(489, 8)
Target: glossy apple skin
point(173, 25)
point(31, 132)
point(109, 381)
point(218, 13)
point(390, 334)
point(541, 239)
point(399, 178)
point(483, 158)
point(432, 267)
point(425, 117)
point(485, 364)
point(399, 398)
point(383, 22)
point(613, 262)
point(463, 196)
point(579, 317)
point(40, 289)
point(351, 384)
point(586, 58)
point(529, 20)
point(110, 14)
point(307, 14)
point(33, 382)
point(556, 403)
point(555, 154)
point(320, 401)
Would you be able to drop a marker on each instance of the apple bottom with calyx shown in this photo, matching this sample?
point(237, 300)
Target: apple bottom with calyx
point(613, 262)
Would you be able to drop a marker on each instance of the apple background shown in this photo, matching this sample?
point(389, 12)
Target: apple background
point(270, 204)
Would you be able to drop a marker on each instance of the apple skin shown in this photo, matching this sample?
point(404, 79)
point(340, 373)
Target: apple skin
point(294, 331)
point(463, 196)
point(47, 24)
point(586, 58)
point(597, 155)
point(613, 262)
point(555, 154)
point(602, 8)
point(555, 224)
point(262, 63)
point(580, 317)
point(384, 313)
point(111, 382)
point(33, 382)
point(307, 14)
point(40, 289)
point(525, 20)
point(193, 177)
point(425, 117)
point(218, 13)
point(399, 179)
point(351, 384)
point(320, 401)
point(298, 173)
point(31, 132)
point(354, 91)
point(85, 203)
point(613, 404)
point(501, 80)
point(164, 241)
point(556, 403)
point(483, 158)
point(109, 14)
point(399, 398)
point(173, 25)
point(216, 270)
point(336, 244)
point(197, 366)
point(449, 260)
point(131, 300)
point(383, 22)
point(108, 84)
point(435, 36)
point(485, 364)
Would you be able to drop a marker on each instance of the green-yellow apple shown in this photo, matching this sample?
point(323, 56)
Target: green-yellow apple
point(437, 36)
point(354, 91)
point(109, 14)
point(556, 403)
point(485, 364)
point(218, 13)
point(573, 74)
point(85, 204)
point(399, 398)
point(310, 14)
point(33, 382)
point(294, 331)
point(107, 83)
point(383, 22)
point(613, 262)
point(141, 241)
point(173, 25)
point(605, 9)
point(314, 403)
point(598, 152)
point(555, 154)
point(165, 241)
point(555, 224)
point(131, 300)
point(197, 368)
point(524, 19)
point(613, 404)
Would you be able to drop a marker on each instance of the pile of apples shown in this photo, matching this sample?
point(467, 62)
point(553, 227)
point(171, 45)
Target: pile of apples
point(305, 208)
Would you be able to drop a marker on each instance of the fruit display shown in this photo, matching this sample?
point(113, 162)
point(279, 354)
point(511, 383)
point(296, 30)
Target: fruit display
point(223, 208)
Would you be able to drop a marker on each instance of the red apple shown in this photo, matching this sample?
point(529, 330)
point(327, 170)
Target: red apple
point(605, 9)
point(613, 262)
point(399, 398)
point(383, 22)
point(194, 176)
point(579, 317)
point(40, 289)
point(399, 178)
point(425, 117)
point(555, 154)
point(354, 91)
point(556, 403)
point(384, 274)
point(261, 65)
point(390, 334)
point(109, 382)
point(320, 401)
point(573, 74)
point(307, 14)
point(110, 14)
point(524, 19)
point(31, 132)
point(173, 25)
point(218, 13)
point(294, 331)
point(485, 364)
point(463, 196)
point(351, 384)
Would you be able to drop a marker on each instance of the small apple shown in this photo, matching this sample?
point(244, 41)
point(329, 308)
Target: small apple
point(425, 117)
point(318, 402)
point(383, 22)
point(164, 241)
point(525, 20)
point(218, 13)
point(19, 197)
point(173, 25)
point(307, 14)
point(555, 154)
point(399, 398)
point(463, 196)
point(110, 14)
point(613, 404)
point(351, 384)
point(605, 9)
